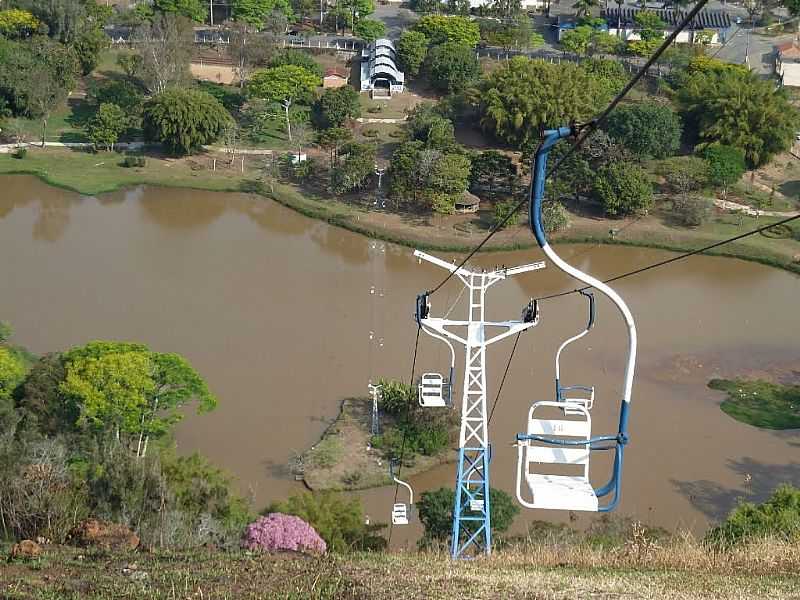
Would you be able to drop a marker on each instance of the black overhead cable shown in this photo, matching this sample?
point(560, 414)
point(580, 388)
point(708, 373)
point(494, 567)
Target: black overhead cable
point(673, 259)
point(636, 272)
point(585, 131)
point(503, 380)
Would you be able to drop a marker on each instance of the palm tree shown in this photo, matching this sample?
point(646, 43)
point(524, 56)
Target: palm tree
point(583, 8)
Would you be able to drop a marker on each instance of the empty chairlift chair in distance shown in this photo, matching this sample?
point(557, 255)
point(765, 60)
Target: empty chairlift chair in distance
point(554, 452)
point(401, 513)
point(434, 390)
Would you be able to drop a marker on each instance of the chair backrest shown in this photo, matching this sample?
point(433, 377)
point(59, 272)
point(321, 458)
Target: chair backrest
point(431, 390)
point(576, 429)
point(399, 514)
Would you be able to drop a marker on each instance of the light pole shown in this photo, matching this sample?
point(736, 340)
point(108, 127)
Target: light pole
point(379, 172)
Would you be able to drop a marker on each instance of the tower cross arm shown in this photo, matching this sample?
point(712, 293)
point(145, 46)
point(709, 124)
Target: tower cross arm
point(513, 327)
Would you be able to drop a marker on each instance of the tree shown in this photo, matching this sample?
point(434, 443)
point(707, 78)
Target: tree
point(247, 49)
point(297, 58)
point(42, 399)
point(648, 130)
point(524, 35)
point(451, 66)
point(48, 80)
point(583, 8)
point(109, 390)
point(522, 95)
point(793, 6)
point(778, 517)
point(357, 9)
point(369, 30)
point(737, 108)
point(337, 106)
point(651, 27)
point(184, 120)
point(129, 390)
point(196, 10)
point(493, 169)
point(107, 124)
point(426, 124)
point(116, 91)
point(429, 175)
point(447, 180)
point(12, 372)
point(436, 512)
point(258, 12)
point(332, 140)
point(64, 18)
point(284, 85)
point(690, 210)
point(338, 520)
point(623, 188)
point(164, 52)
point(17, 24)
point(577, 40)
point(356, 165)
point(725, 165)
point(609, 75)
point(505, 214)
point(88, 46)
point(439, 29)
point(506, 9)
point(404, 170)
point(411, 50)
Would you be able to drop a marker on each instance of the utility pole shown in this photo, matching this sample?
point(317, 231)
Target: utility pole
point(472, 531)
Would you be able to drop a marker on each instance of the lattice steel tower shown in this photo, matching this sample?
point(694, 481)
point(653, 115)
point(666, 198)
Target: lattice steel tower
point(472, 532)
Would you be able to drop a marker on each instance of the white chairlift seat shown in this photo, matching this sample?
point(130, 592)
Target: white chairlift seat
point(559, 492)
point(399, 514)
point(432, 391)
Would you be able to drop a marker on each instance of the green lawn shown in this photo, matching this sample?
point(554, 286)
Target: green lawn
point(64, 125)
point(90, 173)
point(760, 403)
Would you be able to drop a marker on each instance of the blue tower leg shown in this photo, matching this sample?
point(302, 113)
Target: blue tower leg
point(472, 528)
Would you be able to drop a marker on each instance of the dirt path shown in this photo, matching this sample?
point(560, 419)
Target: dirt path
point(736, 207)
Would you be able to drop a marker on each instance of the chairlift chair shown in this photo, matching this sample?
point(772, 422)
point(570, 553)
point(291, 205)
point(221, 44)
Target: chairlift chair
point(434, 391)
point(401, 513)
point(563, 445)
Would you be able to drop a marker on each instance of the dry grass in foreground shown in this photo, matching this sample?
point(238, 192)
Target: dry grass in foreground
point(678, 569)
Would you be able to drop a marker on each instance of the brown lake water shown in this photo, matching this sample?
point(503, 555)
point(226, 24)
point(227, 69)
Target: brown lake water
point(275, 310)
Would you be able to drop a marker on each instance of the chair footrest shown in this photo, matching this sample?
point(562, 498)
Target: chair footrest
point(562, 492)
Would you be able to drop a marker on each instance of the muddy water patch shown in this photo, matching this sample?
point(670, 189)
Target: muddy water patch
point(276, 310)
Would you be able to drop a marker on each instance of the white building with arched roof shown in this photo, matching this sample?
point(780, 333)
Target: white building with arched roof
point(379, 72)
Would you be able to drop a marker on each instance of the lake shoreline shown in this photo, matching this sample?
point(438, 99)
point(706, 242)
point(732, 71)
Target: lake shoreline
point(62, 169)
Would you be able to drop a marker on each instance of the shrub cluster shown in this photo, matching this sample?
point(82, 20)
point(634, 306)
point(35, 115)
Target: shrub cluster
point(277, 532)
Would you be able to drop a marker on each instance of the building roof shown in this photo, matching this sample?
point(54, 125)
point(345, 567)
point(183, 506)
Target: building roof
point(379, 58)
point(788, 50)
point(335, 72)
point(705, 19)
point(468, 199)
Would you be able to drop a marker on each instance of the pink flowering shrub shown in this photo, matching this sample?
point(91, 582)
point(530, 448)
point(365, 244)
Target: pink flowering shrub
point(277, 532)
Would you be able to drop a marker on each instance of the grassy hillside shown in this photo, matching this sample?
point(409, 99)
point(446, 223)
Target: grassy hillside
point(680, 569)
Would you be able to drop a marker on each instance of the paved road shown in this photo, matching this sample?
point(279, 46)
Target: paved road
point(757, 51)
point(396, 19)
